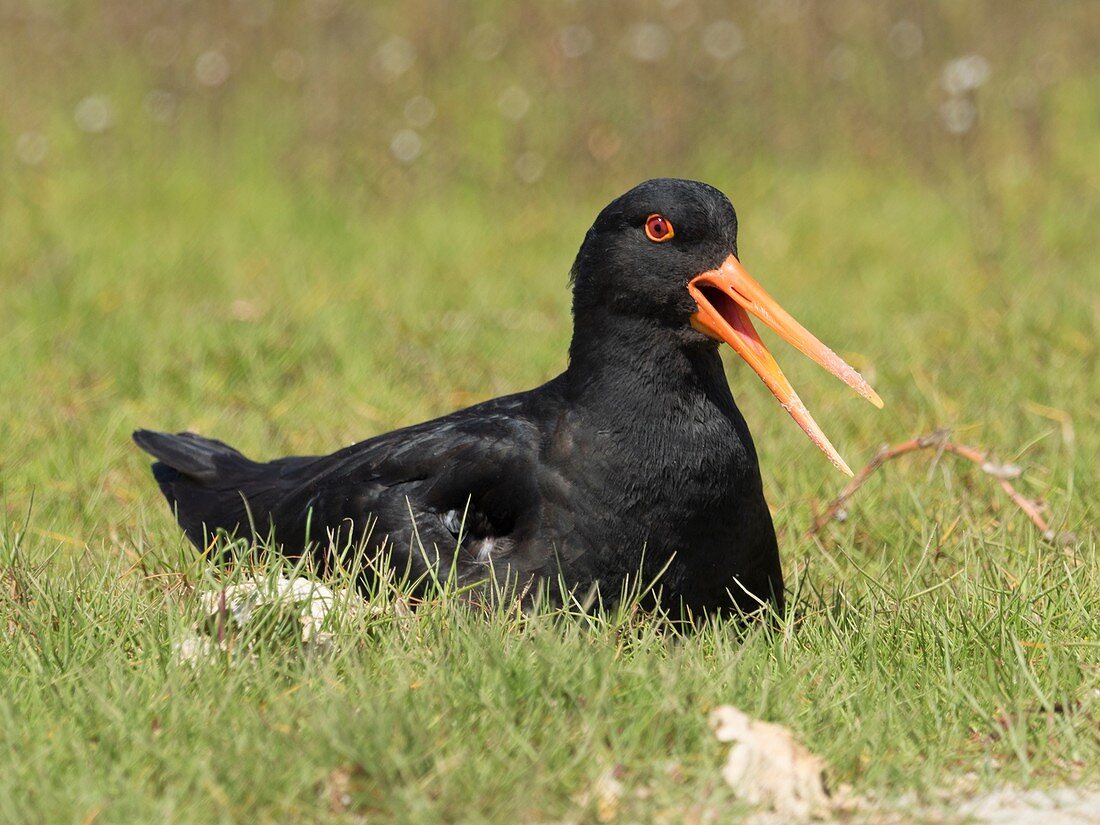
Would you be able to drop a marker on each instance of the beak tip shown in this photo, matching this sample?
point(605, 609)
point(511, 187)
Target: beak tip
point(732, 325)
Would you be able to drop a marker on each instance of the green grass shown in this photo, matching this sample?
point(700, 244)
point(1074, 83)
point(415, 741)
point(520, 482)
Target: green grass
point(266, 274)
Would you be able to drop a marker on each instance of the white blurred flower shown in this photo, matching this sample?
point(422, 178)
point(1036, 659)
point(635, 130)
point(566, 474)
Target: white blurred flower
point(288, 65)
point(958, 115)
point(160, 105)
point(1048, 66)
point(648, 42)
point(31, 148)
point(323, 9)
point(212, 68)
point(161, 46)
point(395, 57)
point(603, 143)
point(964, 74)
point(94, 114)
point(514, 102)
point(419, 111)
point(530, 166)
point(576, 41)
point(683, 16)
point(723, 40)
point(486, 41)
point(906, 39)
point(253, 12)
point(840, 63)
point(783, 11)
point(406, 145)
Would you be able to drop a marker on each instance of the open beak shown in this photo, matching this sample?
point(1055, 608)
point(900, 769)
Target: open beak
point(725, 297)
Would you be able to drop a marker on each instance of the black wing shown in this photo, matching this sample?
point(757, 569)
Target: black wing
point(463, 487)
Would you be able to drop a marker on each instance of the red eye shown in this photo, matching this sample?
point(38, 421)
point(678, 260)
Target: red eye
point(658, 228)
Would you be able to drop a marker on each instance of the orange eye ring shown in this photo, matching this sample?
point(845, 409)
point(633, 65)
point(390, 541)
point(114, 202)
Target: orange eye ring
point(658, 228)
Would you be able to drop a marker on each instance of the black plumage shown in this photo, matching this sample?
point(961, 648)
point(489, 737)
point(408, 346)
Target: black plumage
point(632, 465)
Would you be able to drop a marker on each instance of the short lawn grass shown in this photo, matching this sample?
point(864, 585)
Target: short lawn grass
point(210, 220)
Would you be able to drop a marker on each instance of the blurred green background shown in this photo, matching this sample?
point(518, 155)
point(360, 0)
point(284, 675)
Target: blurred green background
point(293, 225)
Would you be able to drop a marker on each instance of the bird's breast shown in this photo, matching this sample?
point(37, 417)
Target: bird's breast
point(655, 472)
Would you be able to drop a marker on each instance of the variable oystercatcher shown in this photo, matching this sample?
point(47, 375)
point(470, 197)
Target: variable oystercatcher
point(632, 466)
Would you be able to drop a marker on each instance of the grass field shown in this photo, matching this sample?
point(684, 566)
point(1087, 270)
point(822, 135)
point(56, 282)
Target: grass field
point(294, 226)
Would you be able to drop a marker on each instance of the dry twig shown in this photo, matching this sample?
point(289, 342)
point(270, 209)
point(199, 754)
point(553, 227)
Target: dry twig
point(939, 441)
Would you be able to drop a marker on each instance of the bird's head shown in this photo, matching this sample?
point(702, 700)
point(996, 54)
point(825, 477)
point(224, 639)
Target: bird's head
point(666, 252)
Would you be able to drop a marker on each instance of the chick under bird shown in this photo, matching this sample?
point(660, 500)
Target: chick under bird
point(633, 467)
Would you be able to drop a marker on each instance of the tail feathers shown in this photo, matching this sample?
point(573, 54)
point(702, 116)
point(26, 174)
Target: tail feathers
point(202, 459)
point(211, 486)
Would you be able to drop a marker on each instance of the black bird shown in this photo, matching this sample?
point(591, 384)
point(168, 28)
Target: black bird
point(633, 465)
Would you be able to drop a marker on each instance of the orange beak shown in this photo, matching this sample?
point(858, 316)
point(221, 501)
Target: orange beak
point(725, 297)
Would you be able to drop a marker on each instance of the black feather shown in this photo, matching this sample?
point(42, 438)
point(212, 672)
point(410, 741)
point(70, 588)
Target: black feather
point(634, 463)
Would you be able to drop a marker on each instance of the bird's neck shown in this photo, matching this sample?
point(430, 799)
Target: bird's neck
point(622, 362)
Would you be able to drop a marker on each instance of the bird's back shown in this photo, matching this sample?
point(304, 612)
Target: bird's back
point(452, 488)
